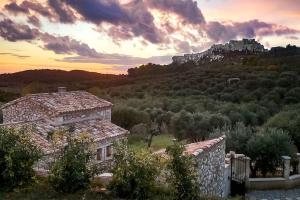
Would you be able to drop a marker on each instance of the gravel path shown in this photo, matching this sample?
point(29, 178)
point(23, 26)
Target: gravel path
point(293, 194)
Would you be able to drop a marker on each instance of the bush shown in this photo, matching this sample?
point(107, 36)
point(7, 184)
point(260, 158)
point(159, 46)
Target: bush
point(266, 148)
point(183, 174)
point(73, 167)
point(17, 158)
point(134, 173)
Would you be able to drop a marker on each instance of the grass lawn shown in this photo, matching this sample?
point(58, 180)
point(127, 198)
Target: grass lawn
point(158, 142)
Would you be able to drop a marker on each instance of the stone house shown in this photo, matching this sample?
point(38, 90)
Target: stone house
point(75, 111)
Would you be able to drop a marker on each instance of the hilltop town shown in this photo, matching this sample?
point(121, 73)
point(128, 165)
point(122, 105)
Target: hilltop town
point(217, 51)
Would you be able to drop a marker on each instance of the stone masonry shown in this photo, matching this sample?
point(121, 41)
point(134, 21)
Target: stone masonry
point(210, 155)
point(76, 112)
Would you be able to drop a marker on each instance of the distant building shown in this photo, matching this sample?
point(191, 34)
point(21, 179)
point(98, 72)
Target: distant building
point(216, 52)
point(76, 112)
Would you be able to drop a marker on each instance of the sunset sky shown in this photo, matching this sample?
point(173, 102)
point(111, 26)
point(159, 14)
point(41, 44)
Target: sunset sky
point(109, 36)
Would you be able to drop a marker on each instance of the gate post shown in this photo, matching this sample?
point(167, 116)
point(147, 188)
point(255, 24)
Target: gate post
point(298, 158)
point(286, 169)
point(247, 172)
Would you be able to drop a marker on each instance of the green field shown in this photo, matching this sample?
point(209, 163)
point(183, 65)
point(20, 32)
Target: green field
point(158, 142)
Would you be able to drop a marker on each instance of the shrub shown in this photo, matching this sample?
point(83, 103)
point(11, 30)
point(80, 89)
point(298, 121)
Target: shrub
point(266, 148)
point(17, 157)
point(183, 174)
point(134, 173)
point(73, 167)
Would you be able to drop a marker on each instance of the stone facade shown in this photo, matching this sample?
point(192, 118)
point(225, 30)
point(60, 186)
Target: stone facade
point(77, 112)
point(216, 52)
point(210, 155)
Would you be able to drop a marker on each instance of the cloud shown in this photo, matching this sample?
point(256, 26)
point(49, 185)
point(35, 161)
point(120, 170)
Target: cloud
point(15, 55)
point(37, 7)
point(292, 37)
point(15, 8)
point(68, 46)
point(64, 13)
point(54, 10)
point(130, 20)
point(14, 32)
point(118, 59)
point(34, 21)
point(187, 9)
point(222, 32)
point(98, 11)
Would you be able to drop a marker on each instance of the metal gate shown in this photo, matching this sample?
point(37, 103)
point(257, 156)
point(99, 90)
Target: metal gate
point(238, 175)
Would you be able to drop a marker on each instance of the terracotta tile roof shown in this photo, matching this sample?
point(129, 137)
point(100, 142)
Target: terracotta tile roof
point(61, 102)
point(96, 128)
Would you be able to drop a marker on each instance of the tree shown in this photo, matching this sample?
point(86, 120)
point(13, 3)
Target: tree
point(237, 137)
point(74, 166)
point(183, 174)
point(17, 158)
point(134, 173)
point(288, 120)
point(127, 117)
point(196, 126)
point(266, 148)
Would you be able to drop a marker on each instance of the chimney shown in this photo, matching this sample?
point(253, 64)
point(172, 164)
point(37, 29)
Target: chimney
point(61, 89)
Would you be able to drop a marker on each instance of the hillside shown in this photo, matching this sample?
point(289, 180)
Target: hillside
point(247, 87)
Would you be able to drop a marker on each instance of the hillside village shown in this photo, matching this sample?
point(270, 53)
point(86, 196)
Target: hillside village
point(217, 51)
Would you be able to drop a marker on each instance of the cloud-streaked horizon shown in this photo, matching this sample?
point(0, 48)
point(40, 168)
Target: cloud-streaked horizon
point(161, 28)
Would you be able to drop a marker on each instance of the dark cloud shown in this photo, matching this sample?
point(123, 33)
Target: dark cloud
point(66, 45)
point(15, 8)
point(98, 11)
point(37, 7)
point(130, 20)
point(187, 9)
point(64, 13)
point(14, 32)
point(55, 10)
point(222, 32)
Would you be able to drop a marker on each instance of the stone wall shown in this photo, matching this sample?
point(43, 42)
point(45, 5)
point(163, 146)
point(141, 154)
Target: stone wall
point(211, 167)
point(99, 113)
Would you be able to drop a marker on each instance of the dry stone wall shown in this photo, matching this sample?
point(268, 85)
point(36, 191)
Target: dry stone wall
point(211, 168)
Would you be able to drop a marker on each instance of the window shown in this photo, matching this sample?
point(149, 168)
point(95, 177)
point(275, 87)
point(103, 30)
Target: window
point(108, 151)
point(99, 154)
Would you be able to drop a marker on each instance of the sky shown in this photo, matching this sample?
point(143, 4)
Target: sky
point(110, 36)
